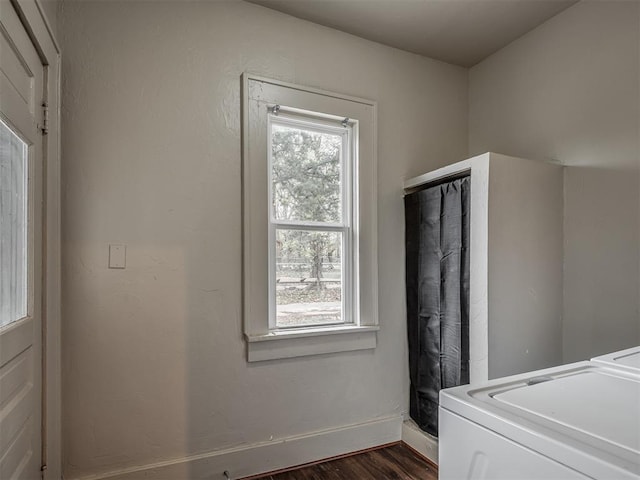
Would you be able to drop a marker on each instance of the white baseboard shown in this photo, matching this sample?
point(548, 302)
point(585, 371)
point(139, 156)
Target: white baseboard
point(268, 456)
point(423, 443)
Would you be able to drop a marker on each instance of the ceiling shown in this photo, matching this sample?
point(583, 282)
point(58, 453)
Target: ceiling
point(462, 32)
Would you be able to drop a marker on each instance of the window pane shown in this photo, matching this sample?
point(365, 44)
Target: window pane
point(13, 226)
point(308, 278)
point(305, 172)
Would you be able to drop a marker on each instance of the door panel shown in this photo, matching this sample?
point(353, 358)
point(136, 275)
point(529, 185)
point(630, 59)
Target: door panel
point(13, 376)
point(21, 188)
point(21, 72)
point(13, 68)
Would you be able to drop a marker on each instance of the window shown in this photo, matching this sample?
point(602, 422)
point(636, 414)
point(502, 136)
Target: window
point(310, 234)
point(309, 208)
point(13, 226)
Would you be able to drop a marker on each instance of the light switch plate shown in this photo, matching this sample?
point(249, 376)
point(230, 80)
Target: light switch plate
point(117, 256)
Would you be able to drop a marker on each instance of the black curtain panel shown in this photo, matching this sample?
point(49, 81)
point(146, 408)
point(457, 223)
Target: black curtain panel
point(437, 249)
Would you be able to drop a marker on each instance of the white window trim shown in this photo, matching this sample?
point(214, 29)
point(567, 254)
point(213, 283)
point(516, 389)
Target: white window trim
point(263, 341)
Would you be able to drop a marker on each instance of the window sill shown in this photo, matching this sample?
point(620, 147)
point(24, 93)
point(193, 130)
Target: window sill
point(310, 341)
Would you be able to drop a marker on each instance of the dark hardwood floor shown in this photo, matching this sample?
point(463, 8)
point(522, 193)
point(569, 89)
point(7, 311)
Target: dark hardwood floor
point(395, 462)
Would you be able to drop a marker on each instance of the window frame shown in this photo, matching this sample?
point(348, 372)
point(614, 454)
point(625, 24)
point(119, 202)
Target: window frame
point(348, 199)
point(259, 96)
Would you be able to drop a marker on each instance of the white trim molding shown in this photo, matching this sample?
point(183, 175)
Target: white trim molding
point(258, 458)
point(309, 341)
point(265, 341)
point(423, 443)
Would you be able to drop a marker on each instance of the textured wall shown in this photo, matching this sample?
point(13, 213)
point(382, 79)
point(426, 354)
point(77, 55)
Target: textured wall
point(154, 360)
point(569, 91)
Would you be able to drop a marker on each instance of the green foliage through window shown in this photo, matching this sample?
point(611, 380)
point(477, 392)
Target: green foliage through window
point(306, 175)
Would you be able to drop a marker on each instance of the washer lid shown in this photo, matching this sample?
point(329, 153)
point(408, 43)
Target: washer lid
point(628, 359)
point(584, 415)
point(595, 403)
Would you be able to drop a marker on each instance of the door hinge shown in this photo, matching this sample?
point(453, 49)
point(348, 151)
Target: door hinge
point(43, 470)
point(44, 127)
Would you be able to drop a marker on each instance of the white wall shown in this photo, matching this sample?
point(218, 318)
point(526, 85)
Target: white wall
point(524, 266)
point(569, 91)
point(154, 360)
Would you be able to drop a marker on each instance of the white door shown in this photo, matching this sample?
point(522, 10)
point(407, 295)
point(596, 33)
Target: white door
point(21, 147)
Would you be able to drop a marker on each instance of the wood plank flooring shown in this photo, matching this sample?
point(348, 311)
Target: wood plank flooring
point(395, 462)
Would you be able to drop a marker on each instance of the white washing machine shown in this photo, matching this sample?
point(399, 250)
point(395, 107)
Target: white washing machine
point(575, 421)
point(628, 359)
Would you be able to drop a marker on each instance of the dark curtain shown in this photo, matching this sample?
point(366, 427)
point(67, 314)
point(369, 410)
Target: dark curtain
point(437, 249)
